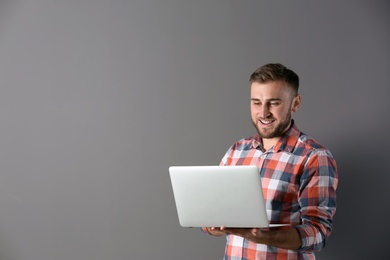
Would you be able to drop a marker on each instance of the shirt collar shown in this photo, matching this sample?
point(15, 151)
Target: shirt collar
point(285, 143)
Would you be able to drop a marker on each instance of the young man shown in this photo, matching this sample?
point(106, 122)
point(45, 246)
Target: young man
point(299, 176)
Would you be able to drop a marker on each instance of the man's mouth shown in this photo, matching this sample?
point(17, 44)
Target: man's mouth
point(266, 122)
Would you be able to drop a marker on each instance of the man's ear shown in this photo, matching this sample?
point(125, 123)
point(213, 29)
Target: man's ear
point(296, 103)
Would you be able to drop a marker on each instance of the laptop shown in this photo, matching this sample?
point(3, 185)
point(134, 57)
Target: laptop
point(214, 196)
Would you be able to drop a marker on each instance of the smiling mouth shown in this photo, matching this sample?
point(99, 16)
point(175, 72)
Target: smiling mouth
point(266, 122)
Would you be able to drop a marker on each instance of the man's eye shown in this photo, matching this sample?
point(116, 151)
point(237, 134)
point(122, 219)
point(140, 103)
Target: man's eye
point(274, 103)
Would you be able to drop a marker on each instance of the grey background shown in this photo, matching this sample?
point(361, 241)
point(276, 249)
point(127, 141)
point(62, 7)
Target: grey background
point(98, 98)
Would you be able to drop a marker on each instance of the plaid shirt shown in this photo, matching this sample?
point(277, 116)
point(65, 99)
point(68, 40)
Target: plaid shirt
point(299, 178)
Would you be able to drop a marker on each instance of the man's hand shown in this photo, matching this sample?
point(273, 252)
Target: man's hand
point(216, 231)
point(243, 232)
point(283, 238)
point(252, 234)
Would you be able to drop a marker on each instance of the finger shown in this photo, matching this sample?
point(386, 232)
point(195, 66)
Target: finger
point(234, 231)
point(254, 231)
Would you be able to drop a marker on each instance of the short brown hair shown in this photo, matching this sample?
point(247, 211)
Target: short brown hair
point(275, 72)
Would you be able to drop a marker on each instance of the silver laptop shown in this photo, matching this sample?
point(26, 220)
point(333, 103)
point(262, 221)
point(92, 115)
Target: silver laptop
point(214, 196)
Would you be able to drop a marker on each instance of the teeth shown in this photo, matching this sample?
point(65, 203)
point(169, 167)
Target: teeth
point(265, 122)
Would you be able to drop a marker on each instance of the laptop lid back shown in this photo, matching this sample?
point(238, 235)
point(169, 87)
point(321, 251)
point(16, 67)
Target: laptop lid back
point(214, 196)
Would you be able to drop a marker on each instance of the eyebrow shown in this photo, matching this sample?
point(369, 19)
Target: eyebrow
point(267, 100)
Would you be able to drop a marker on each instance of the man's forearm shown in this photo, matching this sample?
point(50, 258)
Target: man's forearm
point(287, 238)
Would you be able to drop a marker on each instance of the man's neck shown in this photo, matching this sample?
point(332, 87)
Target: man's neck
point(268, 143)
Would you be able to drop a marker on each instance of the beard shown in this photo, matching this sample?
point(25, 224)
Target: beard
point(277, 131)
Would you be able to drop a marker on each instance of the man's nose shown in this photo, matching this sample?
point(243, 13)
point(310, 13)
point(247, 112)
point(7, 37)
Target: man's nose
point(264, 112)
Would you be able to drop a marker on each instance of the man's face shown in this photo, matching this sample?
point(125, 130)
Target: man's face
point(272, 104)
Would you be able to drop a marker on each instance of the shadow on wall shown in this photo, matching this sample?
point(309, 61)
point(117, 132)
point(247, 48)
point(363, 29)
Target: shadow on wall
point(360, 224)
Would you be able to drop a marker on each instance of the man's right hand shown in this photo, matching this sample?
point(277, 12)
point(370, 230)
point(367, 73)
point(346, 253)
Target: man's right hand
point(215, 231)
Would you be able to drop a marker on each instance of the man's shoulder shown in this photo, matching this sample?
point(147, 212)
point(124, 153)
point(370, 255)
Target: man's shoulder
point(310, 144)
